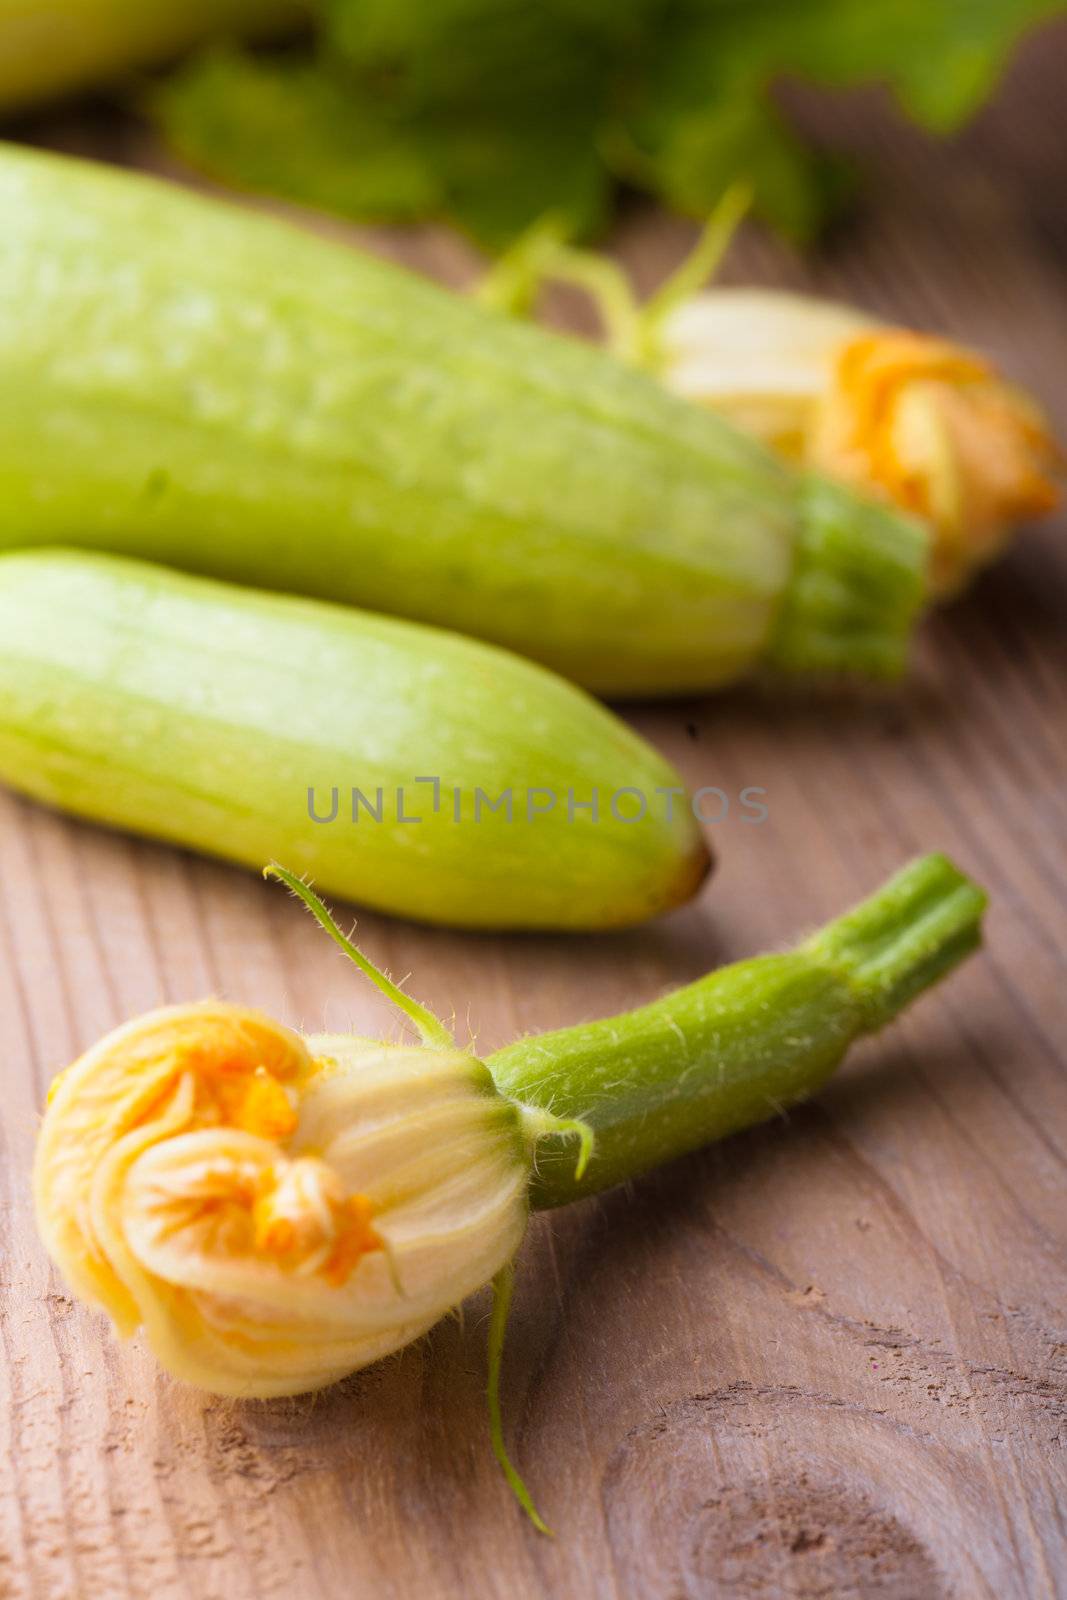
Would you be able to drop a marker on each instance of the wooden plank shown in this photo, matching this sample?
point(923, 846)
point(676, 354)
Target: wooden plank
point(828, 1358)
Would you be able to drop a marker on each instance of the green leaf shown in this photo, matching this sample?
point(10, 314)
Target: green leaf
point(305, 133)
point(690, 157)
point(290, 129)
point(705, 113)
point(496, 112)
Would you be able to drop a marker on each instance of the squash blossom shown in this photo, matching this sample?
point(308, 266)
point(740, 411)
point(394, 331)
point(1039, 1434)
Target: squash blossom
point(905, 417)
point(277, 1211)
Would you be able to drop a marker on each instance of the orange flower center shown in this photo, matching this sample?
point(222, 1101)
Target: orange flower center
point(933, 429)
point(243, 1081)
point(303, 1218)
point(297, 1211)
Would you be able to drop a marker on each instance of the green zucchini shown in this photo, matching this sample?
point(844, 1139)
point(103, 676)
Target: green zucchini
point(187, 382)
point(239, 723)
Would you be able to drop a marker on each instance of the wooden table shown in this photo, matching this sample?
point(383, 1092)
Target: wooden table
point(826, 1359)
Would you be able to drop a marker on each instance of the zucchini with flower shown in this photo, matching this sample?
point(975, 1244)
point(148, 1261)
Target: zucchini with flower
point(904, 418)
point(196, 385)
point(276, 1211)
point(909, 418)
point(426, 774)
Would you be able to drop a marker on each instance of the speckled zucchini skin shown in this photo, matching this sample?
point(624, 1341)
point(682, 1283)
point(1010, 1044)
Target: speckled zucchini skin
point(202, 713)
point(189, 383)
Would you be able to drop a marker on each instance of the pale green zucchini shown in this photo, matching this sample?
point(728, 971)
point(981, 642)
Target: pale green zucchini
point(50, 47)
point(203, 714)
point(187, 382)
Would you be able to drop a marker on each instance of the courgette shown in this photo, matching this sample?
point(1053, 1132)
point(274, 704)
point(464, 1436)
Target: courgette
point(405, 767)
point(196, 385)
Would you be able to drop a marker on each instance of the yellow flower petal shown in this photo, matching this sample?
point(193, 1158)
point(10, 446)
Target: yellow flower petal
point(275, 1213)
point(761, 357)
point(916, 421)
point(929, 427)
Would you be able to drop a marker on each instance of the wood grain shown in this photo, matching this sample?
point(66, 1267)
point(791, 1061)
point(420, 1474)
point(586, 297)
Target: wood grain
point(825, 1359)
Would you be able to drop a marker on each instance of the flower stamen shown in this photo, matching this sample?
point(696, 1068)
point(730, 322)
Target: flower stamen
point(305, 1221)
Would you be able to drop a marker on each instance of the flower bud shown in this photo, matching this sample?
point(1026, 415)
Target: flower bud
point(931, 427)
point(762, 357)
point(276, 1212)
point(905, 417)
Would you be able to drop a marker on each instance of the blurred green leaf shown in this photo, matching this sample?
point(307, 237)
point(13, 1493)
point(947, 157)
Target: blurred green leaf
point(305, 134)
point(293, 130)
point(494, 112)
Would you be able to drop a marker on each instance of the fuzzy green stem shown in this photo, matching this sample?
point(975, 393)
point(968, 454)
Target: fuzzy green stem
point(740, 1045)
point(431, 1029)
point(904, 938)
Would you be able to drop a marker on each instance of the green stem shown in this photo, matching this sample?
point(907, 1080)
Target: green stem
point(431, 1029)
point(857, 586)
point(503, 1288)
point(543, 255)
point(632, 331)
point(743, 1043)
point(905, 938)
point(696, 270)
